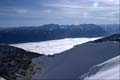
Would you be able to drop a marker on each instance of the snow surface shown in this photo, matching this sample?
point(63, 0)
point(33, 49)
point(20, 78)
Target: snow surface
point(71, 64)
point(2, 78)
point(52, 46)
point(110, 70)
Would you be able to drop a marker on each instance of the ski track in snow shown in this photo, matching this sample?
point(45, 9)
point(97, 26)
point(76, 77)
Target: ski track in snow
point(53, 46)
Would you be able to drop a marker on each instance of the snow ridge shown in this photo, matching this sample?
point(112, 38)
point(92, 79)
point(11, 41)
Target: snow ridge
point(109, 70)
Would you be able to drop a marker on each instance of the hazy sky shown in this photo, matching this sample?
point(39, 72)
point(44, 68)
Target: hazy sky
point(38, 12)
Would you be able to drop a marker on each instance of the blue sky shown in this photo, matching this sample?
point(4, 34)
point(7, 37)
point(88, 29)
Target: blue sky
point(38, 12)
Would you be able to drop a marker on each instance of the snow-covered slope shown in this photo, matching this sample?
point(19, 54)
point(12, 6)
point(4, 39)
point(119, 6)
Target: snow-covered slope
point(109, 70)
point(2, 78)
point(75, 62)
point(52, 46)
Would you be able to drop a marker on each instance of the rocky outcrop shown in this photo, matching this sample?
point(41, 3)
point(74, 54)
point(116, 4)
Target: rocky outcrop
point(15, 63)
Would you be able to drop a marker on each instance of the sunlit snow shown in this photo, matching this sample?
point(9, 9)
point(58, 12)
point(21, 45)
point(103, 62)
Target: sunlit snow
point(52, 46)
point(109, 71)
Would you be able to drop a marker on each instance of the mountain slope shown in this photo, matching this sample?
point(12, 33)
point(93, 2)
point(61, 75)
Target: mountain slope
point(72, 64)
point(15, 62)
point(115, 37)
point(109, 70)
point(18, 64)
point(111, 28)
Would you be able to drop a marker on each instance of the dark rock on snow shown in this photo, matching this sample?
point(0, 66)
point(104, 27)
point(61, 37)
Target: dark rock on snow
point(15, 63)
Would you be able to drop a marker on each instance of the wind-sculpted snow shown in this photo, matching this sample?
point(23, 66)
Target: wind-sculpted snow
point(109, 70)
point(53, 46)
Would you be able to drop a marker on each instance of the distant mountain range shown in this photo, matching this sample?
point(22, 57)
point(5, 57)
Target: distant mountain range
point(52, 32)
point(18, 64)
point(111, 28)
